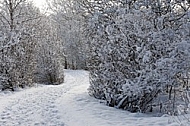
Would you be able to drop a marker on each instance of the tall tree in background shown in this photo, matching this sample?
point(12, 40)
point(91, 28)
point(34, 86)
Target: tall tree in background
point(66, 14)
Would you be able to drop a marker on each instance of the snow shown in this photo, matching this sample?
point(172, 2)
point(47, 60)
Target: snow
point(68, 105)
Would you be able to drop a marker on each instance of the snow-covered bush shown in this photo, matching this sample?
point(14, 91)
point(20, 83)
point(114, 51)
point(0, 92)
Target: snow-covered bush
point(138, 51)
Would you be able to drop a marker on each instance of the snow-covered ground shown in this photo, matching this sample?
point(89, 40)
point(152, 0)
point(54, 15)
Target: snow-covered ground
point(69, 105)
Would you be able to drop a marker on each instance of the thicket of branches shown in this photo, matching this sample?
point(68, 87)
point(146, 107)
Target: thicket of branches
point(139, 53)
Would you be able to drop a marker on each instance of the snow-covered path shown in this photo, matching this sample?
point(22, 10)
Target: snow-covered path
point(67, 105)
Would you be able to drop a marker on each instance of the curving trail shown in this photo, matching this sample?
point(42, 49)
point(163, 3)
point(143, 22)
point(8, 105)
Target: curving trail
point(67, 104)
point(34, 107)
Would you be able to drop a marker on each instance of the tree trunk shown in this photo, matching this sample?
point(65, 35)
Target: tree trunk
point(66, 67)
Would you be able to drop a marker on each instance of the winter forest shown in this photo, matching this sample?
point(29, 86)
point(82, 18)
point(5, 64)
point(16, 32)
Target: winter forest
point(137, 52)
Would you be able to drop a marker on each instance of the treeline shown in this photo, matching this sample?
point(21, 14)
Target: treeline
point(29, 49)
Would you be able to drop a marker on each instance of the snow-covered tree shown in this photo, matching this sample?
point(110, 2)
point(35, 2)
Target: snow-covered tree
point(66, 13)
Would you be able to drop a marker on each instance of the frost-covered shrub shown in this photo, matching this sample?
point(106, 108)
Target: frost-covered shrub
point(138, 50)
point(17, 62)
